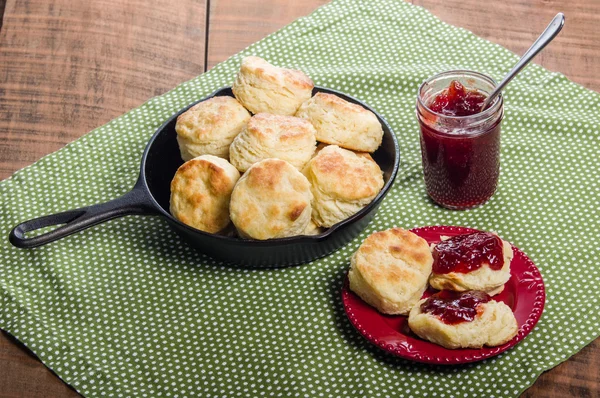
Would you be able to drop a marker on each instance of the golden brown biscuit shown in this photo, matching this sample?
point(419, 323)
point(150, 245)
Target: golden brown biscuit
point(200, 193)
point(313, 229)
point(342, 123)
point(342, 183)
point(208, 128)
point(321, 145)
point(262, 87)
point(390, 270)
point(484, 279)
point(271, 200)
point(273, 136)
point(494, 324)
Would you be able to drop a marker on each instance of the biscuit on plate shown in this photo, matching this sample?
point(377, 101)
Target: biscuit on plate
point(390, 269)
point(208, 128)
point(271, 200)
point(266, 136)
point(262, 87)
point(484, 278)
point(493, 323)
point(342, 123)
point(342, 183)
point(200, 193)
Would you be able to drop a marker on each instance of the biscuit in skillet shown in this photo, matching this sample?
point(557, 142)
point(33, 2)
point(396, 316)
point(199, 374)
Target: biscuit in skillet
point(271, 200)
point(342, 183)
point(200, 193)
point(273, 136)
point(208, 128)
point(262, 87)
point(342, 123)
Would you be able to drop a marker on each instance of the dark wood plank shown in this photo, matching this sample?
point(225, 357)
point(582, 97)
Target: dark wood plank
point(23, 375)
point(577, 377)
point(67, 66)
point(2, 7)
point(234, 25)
point(515, 24)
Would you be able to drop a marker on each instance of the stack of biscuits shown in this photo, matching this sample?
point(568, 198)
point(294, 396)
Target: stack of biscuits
point(275, 160)
point(392, 269)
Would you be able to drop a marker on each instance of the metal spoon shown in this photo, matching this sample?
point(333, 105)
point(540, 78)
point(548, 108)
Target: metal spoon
point(546, 37)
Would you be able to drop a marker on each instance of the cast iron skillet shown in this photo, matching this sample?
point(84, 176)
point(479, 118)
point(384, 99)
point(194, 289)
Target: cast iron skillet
point(150, 196)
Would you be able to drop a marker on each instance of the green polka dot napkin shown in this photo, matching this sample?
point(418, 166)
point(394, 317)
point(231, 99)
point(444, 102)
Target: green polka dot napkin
point(127, 309)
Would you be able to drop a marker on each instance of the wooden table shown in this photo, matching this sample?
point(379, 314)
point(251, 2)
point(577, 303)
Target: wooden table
point(68, 66)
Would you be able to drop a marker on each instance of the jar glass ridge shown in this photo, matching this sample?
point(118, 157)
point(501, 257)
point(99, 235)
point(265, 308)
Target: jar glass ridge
point(460, 154)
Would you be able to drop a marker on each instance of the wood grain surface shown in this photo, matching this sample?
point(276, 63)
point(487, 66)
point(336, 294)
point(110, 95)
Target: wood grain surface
point(67, 66)
point(515, 24)
point(234, 25)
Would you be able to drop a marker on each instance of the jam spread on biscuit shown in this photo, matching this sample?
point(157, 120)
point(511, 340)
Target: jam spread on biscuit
point(454, 307)
point(466, 253)
point(456, 100)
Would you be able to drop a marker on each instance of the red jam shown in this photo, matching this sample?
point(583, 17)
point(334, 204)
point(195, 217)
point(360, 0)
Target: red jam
point(455, 307)
point(466, 253)
point(461, 165)
point(456, 100)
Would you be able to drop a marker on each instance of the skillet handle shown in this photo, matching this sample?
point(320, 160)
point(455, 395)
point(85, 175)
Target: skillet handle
point(137, 201)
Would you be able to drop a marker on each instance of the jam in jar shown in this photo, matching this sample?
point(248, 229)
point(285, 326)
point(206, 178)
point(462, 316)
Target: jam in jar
point(460, 141)
point(454, 307)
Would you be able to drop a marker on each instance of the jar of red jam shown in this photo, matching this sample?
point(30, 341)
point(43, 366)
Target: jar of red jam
point(460, 142)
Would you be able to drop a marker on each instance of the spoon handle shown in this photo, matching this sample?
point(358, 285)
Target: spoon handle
point(546, 37)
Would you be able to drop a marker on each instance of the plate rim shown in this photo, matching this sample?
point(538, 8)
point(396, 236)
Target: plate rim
point(458, 357)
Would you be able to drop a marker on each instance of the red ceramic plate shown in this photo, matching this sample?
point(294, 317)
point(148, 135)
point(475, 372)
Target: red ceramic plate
point(524, 293)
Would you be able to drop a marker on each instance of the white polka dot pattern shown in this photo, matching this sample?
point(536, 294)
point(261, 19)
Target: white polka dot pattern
point(128, 309)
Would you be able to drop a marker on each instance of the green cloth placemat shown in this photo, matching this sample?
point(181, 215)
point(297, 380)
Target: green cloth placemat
point(127, 309)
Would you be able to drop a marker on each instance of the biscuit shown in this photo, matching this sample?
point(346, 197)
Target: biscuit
point(208, 128)
point(273, 136)
point(321, 145)
point(342, 183)
point(342, 123)
point(484, 278)
point(271, 200)
point(493, 325)
point(390, 269)
point(200, 193)
point(313, 229)
point(262, 87)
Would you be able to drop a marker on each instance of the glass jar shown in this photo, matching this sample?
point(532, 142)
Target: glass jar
point(460, 154)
